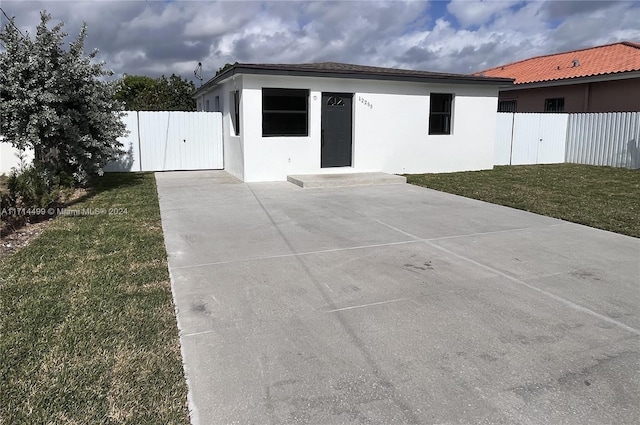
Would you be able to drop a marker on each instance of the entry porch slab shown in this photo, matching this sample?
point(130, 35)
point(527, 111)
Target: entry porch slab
point(308, 181)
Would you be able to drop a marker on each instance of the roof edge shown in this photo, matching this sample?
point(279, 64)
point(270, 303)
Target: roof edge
point(623, 75)
point(626, 43)
point(388, 75)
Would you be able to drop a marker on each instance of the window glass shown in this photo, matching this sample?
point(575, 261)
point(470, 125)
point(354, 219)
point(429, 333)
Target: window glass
point(507, 106)
point(234, 107)
point(554, 105)
point(285, 112)
point(440, 111)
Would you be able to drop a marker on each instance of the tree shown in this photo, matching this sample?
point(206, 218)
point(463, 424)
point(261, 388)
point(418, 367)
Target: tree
point(181, 91)
point(56, 102)
point(132, 89)
point(142, 93)
point(224, 68)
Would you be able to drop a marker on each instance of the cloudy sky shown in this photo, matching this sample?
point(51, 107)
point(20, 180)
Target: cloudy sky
point(164, 37)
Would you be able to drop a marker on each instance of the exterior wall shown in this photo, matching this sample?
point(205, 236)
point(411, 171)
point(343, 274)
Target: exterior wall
point(233, 145)
point(532, 100)
point(391, 136)
point(615, 96)
point(603, 96)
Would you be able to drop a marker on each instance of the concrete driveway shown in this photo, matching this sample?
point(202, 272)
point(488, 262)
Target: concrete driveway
point(396, 304)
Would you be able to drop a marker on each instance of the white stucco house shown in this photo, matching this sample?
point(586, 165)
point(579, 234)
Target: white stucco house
point(284, 119)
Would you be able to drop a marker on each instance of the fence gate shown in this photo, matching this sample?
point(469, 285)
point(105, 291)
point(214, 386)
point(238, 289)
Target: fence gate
point(171, 140)
point(530, 138)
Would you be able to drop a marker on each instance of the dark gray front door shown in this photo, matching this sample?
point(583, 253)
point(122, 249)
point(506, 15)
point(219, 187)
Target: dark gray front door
point(336, 130)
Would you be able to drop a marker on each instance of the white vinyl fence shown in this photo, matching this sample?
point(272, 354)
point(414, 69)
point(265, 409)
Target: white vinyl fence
point(604, 139)
point(158, 141)
point(171, 140)
point(10, 157)
point(530, 139)
point(596, 139)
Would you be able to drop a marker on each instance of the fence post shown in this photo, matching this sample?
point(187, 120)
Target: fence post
point(513, 122)
point(138, 132)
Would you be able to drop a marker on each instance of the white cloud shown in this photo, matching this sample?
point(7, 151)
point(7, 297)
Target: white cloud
point(478, 12)
point(155, 37)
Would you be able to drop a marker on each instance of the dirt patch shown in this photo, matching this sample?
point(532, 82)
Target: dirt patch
point(16, 234)
point(20, 237)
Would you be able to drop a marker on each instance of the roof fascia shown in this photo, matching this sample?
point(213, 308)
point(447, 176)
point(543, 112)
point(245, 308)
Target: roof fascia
point(371, 76)
point(572, 81)
point(256, 70)
point(214, 82)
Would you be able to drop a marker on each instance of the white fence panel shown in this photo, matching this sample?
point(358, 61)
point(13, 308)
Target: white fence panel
point(9, 157)
point(611, 139)
point(504, 132)
point(530, 139)
point(180, 140)
point(524, 146)
point(552, 136)
point(130, 161)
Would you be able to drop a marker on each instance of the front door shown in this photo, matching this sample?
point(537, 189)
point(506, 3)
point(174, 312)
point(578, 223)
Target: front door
point(336, 130)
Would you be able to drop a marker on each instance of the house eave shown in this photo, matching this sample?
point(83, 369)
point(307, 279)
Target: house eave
point(572, 81)
point(347, 74)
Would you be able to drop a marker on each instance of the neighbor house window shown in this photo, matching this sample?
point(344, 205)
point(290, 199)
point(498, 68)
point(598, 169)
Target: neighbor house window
point(285, 112)
point(234, 107)
point(206, 102)
point(507, 106)
point(216, 104)
point(554, 105)
point(441, 105)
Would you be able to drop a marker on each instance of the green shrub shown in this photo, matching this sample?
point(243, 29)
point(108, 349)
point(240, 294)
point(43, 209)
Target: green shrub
point(32, 186)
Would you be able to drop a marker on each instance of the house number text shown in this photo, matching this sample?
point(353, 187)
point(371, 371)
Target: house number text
point(365, 102)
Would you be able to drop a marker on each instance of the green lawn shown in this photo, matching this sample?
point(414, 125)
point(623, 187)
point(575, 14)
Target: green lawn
point(87, 326)
point(603, 197)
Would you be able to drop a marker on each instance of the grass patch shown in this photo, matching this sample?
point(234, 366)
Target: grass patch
point(87, 330)
point(602, 197)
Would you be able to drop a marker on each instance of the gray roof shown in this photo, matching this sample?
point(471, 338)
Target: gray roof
point(345, 70)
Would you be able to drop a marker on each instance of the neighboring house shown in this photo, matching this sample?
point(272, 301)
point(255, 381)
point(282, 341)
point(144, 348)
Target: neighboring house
point(334, 118)
point(599, 79)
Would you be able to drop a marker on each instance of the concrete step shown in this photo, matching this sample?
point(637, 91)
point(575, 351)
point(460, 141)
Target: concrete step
point(308, 181)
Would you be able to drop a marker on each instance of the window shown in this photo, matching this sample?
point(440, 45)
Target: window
point(234, 107)
point(216, 104)
point(336, 101)
point(508, 106)
point(554, 105)
point(440, 113)
point(206, 102)
point(285, 112)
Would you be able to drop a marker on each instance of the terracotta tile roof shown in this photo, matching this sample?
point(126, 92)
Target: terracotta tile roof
point(600, 60)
